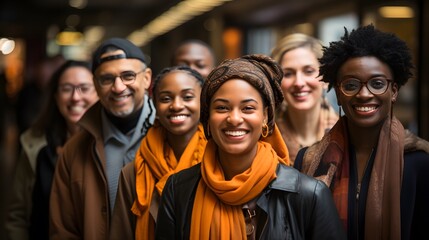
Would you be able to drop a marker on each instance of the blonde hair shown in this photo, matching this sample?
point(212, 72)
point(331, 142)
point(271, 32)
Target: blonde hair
point(294, 41)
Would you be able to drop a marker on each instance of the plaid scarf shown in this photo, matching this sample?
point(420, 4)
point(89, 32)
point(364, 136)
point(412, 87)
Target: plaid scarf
point(329, 159)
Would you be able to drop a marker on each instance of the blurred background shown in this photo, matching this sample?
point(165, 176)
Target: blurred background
point(37, 35)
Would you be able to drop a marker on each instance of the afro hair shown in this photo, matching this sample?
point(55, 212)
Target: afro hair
point(367, 41)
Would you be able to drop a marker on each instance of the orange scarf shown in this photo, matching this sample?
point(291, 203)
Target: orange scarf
point(330, 159)
point(154, 163)
point(217, 211)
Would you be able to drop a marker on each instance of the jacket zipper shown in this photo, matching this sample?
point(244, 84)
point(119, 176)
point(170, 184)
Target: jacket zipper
point(263, 229)
point(357, 210)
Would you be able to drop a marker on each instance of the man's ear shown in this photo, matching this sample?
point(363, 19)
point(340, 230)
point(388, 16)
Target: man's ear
point(147, 78)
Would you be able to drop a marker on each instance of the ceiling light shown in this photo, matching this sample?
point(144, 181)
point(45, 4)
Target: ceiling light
point(68, 38)
point(94, 34)
point(396, 12)
point(6, 46)
point(79, 4)
point(172, 18)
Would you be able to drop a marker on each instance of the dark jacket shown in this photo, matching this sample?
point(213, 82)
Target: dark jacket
point(295, 207)
point(414, 195)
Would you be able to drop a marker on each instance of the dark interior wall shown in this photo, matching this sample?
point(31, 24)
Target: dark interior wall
point(423, 69)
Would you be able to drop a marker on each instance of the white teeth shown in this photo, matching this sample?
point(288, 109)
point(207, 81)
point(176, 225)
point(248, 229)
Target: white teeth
point(300, 94)
point(235, 133)
point(179, 117)
point(119, 98)
point(77, 109)
point(365, 109)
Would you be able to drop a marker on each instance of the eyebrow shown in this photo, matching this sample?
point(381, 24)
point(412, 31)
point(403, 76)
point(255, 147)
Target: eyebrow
point(183, 90)
point(372, 76)
point(241, 102)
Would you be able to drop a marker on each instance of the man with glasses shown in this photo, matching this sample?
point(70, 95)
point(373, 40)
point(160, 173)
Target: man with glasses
point(85, 182)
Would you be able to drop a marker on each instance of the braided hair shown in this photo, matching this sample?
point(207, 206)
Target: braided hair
point(168, 70)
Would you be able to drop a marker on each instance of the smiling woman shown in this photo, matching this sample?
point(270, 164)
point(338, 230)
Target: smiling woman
point(243, 187)
point(71, 94)
point(376, 170)
point(175, 142)
point(306, 114)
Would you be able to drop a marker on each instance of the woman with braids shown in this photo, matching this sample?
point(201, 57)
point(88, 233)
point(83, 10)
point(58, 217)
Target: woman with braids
point(376, 170)
point(243, 188)
point(175, 142)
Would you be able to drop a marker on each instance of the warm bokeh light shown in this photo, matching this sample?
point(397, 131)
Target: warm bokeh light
point(172, 18)
point(79, 4)
point(6, 46)
point(396, 12)
point(66, 38)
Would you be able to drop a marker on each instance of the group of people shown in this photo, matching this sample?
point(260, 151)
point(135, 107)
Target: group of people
point(246, 149)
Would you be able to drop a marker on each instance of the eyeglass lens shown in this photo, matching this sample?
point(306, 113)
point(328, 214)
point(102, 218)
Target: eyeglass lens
point(127, 77)
point(376, 86)
point(70, 88)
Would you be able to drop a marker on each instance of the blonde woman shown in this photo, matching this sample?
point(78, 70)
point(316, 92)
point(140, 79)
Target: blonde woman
point(306, 114)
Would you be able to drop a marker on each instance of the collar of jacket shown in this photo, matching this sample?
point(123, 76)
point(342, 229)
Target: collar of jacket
point(91, 121)
point(287, 179)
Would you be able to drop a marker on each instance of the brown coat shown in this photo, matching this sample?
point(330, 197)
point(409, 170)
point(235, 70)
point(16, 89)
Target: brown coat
point(79, 207)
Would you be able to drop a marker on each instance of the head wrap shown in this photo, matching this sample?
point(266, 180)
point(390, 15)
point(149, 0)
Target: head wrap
point(258, 70)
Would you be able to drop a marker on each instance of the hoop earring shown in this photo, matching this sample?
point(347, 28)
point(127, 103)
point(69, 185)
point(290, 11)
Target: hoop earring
point(208, 130)
point(265, 130)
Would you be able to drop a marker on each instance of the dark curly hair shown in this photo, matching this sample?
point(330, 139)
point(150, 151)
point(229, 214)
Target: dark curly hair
point(168, 70)
point(367, 41)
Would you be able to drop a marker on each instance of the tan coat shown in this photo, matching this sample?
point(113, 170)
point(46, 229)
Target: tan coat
point(20, 204)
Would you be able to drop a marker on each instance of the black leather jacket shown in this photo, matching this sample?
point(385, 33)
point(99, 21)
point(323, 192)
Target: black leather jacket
point(295, 207)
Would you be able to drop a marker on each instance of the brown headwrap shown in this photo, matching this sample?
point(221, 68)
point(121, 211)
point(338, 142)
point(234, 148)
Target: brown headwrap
point(260, 71)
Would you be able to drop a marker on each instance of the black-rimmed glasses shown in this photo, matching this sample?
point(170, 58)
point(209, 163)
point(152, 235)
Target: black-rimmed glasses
point(376, 86)
point(69, 89)
point(127, 78)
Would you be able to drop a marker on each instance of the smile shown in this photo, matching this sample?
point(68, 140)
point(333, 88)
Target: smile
point(235, 133)
point(178, 117)
point(300, 94)
point(120, 98)
point(366, 109)
point(77, 109)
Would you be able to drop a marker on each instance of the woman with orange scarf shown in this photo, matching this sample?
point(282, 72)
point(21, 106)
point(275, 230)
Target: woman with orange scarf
point(376, 170)
point(175, 142)
point(244, 188)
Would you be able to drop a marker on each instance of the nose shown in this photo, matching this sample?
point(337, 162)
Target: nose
point(177, 104)
point(364, 91)
point(76, 94)
point(235, 118)
point(118, 85)
point(299, 79)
